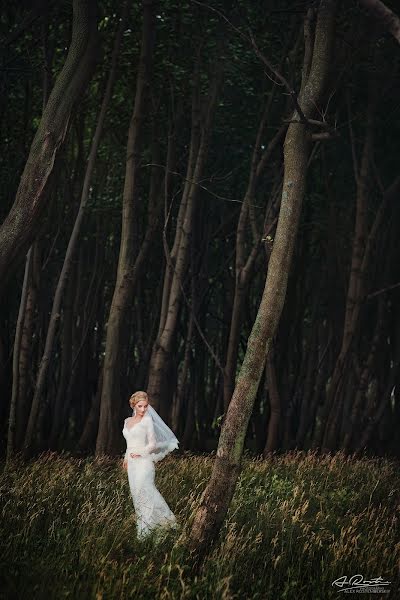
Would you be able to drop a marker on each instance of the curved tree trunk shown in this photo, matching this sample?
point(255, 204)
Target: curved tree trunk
point(23, 221)
point(219, 491)
point(71, 249)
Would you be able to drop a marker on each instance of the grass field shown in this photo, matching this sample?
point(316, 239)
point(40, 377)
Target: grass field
point(297, 523)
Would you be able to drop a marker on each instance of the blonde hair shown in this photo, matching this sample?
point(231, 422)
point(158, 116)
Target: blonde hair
point(135, 398)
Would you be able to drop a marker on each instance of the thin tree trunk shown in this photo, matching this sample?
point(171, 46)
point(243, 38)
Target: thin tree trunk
point(355, 289)
point(374, 418)
point(183, 377)
point(244, 267)
point(25, 352)
point(275, 406)
point(16, 355)
point(365, 378)
point(219, 491)
point(126, 274)
point(362, 254)
point(66, 362)
point(162, 349)
point(88, 436)
point(311, 358)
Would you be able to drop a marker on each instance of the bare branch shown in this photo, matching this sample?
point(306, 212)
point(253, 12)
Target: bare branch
point(383, 290)
point(323, 136)
point(198, 183)
point(280, 78)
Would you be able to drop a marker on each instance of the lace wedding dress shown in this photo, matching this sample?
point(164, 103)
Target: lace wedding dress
point(150, 507)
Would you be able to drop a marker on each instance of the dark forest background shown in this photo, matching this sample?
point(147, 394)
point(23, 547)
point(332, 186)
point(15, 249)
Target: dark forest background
point(147, 259)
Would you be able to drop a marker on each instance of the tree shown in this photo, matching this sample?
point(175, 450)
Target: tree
point(126, 275)
point(219, 491)
point(23, 220)
point(70, 253)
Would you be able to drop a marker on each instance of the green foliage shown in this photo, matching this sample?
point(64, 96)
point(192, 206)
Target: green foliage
point(296, 523)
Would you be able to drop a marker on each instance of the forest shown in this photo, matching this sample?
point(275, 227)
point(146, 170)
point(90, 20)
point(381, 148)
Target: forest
point(143, 170)
point(200, 199)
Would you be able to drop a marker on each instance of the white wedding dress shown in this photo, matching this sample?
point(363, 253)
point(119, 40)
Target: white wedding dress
point(150, 507)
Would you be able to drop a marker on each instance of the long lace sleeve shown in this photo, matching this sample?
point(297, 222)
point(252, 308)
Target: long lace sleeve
point(126, 451)
point(151, 438)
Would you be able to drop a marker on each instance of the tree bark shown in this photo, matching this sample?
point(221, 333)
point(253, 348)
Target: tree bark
point(219, 491)
point(23, 221)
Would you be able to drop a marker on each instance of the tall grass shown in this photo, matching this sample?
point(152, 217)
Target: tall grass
point(296, 524)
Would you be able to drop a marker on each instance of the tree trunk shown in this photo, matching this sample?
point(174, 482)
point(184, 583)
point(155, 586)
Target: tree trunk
point(219, 491)
point(244, 267)
point(16, 354)
point(361, 256)
point(72, 246)
point(25, 352)
point(23, 221)
point(66, 362)
point(364, 381)
point(275, 406)
point(126, 273)
point(176, 269)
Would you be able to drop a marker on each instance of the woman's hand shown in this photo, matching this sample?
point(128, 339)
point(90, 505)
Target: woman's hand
point(125, 464)
point(134, 455)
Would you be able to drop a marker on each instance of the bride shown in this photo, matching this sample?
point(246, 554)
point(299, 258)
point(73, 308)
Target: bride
point(148, 440)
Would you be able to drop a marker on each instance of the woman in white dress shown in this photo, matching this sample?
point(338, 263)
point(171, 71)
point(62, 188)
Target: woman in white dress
point(148, 440)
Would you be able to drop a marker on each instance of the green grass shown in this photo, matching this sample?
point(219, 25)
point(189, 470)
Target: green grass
point(296, 523)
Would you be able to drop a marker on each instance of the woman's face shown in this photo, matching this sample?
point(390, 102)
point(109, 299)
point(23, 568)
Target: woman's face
point(141, 407)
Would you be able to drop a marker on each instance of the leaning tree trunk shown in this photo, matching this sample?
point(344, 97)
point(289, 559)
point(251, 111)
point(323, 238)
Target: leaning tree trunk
point(23, 220)
point(219, 491)
point(71, 249)
point(20, 376)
